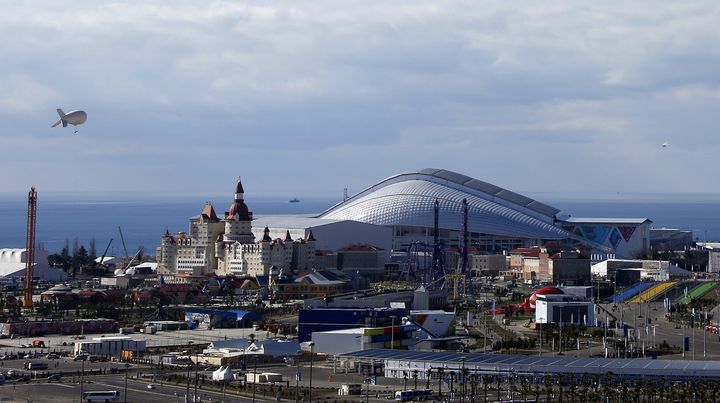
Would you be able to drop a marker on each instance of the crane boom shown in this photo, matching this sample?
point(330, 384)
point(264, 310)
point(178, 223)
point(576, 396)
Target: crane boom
point(30, 248)
point(122, 238)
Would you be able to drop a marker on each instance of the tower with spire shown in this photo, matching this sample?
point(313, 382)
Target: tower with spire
point(238, 219)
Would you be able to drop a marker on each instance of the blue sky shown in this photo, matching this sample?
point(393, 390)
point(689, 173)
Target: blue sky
point(306, 98)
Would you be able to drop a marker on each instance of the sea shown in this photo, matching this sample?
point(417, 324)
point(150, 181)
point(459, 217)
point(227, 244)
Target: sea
point(64, 220)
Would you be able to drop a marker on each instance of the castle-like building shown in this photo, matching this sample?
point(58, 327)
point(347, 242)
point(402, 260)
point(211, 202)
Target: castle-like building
point(227, 247)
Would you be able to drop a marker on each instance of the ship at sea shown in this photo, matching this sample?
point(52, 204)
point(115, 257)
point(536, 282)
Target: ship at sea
point(294, 200)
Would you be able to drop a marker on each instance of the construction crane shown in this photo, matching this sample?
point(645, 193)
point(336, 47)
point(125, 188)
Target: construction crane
point(101, 263)
point(438, 265)
point(122, 238)
point(30, 247)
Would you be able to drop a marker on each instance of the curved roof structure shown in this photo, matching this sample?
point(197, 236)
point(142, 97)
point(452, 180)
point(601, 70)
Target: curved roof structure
point(408, 199)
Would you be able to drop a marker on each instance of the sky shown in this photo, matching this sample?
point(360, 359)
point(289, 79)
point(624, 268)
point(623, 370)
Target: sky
point(306, 98)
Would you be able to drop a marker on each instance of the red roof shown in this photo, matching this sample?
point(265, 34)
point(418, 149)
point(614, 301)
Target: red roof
point(532, 252)
point(208, 212)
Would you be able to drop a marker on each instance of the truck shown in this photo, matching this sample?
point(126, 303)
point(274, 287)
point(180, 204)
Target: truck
point(126, 330)
point(149, 329)
point(38, 343)
point(35, 366)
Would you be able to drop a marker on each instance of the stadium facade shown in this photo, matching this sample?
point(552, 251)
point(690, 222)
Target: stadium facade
point(498, 219)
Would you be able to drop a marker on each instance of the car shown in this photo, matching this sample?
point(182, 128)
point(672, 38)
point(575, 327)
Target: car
point(53, 356)
point(54, 377)
point(11, 373)
point(151, 386)
point(81, 357)
point(25, 379)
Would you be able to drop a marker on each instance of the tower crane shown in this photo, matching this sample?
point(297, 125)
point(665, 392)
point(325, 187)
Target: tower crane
point(30, 247)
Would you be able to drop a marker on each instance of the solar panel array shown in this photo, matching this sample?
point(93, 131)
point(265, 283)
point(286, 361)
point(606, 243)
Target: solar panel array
point(547, 364)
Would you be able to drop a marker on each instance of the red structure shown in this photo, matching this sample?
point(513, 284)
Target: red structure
point(30, 247)
point(529, 304)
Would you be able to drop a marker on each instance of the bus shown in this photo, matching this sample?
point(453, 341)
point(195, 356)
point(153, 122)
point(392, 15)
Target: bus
point(413, 394)
point(101, 396)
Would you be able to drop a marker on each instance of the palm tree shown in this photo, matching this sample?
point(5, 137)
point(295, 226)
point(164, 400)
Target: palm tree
point(441, 371)
point(585, 382)
point(485, 381)
point(536, 391)
point(415, 377)
point(525, 387)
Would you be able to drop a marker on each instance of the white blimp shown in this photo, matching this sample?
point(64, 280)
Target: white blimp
point(73, 118)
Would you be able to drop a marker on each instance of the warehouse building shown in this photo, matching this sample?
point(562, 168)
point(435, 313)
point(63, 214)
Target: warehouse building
point(109, 346)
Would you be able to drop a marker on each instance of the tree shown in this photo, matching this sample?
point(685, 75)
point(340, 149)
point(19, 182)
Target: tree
point(92, 250)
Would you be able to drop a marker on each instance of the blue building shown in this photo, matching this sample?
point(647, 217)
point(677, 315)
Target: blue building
point(325, 319)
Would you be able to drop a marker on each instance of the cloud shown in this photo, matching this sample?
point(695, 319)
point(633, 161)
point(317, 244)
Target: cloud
point(363, 89)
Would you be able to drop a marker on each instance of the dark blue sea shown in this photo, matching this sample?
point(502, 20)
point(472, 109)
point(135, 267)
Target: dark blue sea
point(143, 221)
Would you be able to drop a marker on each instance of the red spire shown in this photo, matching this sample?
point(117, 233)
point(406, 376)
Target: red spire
point(239, 187)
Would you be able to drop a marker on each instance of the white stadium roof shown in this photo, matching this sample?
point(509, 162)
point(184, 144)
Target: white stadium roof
point(408, 199)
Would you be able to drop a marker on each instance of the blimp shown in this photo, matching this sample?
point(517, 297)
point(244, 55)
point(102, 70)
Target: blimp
point(73, 118)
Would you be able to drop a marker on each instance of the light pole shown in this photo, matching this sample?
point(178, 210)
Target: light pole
point(126, 372)
point(297, 378)
point(392, 332)
point(367, 390)
point(462, 387)
point(187, 386)
point(704, 331)
point(196, 377)
point(255, 376)
point(82, 372)
point(312, 351)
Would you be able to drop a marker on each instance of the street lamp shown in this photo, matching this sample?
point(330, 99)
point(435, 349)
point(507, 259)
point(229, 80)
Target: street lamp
point(126, 372)
point(392, 332)
point(312, 350)
point(255, 376)
point(297, 377)
point(367, 390)
point(82, 372)
point(462, 387)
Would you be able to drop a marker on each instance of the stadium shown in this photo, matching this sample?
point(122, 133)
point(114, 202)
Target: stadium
point(498, 219)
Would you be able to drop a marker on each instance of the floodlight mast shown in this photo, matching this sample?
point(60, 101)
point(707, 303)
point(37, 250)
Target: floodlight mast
point(30, 248)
